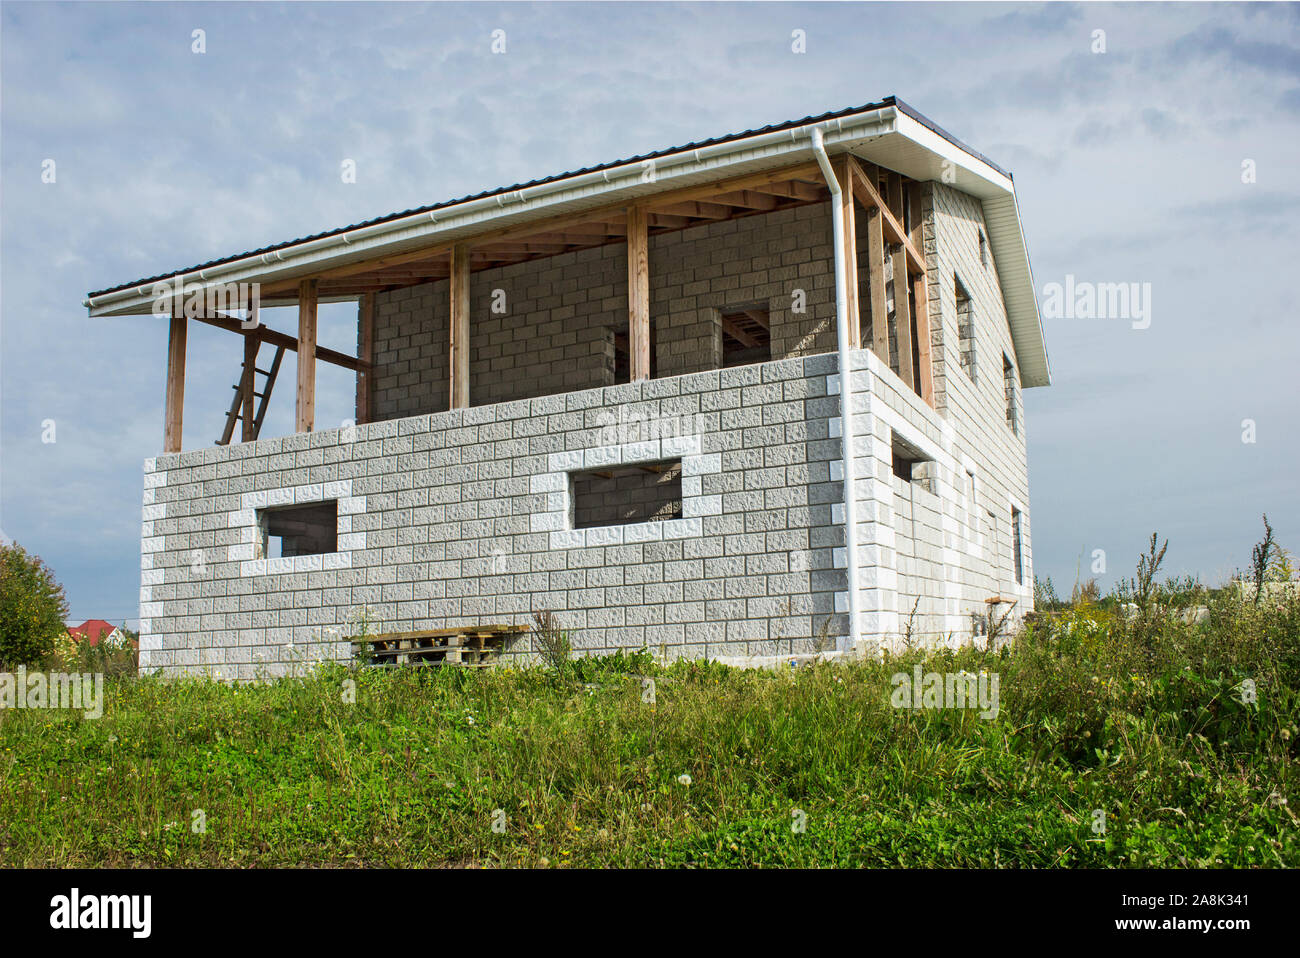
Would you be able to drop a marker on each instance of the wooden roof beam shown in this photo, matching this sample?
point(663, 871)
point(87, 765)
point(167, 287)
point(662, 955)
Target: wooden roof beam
point(277, 338)
point(735, 332)
point(748, 199)
point(867, 194)
point(700, 209)
point(608, 221)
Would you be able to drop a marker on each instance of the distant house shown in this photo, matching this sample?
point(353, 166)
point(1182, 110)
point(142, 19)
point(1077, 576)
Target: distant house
point(95, 631)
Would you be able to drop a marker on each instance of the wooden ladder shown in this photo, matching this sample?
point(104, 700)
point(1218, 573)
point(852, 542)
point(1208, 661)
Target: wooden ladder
point(246, 391)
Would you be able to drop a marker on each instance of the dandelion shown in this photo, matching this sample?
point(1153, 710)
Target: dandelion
point(684, 779)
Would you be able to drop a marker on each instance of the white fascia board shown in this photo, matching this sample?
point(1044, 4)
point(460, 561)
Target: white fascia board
point(989, 179)
point(463, 221)
point(1006, 238)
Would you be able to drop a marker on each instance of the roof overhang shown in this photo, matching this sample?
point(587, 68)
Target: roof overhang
point(892, 136)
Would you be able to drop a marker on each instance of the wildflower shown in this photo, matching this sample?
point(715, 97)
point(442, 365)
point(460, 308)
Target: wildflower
point(684, 780)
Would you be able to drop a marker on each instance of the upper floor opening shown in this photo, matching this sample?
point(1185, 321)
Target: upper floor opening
point(700, 257)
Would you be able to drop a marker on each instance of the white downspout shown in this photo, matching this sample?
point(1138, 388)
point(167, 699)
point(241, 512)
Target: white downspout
point(846, 404)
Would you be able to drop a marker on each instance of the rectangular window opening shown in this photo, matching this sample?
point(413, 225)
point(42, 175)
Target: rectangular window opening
point(1017, 550)
point(623, 354)
point(916, 346)
point(965, 330)
point(1009, 390)
point(746, 335)
point(911, 464)
point(623, 495)
point(299, 530)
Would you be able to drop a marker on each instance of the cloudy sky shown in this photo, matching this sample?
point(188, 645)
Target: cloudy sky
point(1128, 164)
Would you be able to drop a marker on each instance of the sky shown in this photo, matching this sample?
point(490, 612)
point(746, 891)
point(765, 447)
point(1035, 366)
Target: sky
point(1164, 150)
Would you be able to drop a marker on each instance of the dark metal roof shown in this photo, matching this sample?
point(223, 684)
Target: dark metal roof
point(772, 128)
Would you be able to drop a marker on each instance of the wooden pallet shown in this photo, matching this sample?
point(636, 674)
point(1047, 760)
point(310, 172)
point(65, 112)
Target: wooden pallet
point(472, 647)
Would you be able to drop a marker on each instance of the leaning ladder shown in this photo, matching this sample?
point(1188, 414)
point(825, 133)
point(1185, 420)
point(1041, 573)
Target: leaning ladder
point(246, 392)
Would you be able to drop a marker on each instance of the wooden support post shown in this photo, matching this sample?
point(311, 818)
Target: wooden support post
point(894, 198)
point(306, 355)
point(843, 174)
point(902, 283)
point(174, 403)
point(903, 317)
point(459, 370)
point(921, 297)
point(876, 284)
point(366, 350)
point(247, 385)
point(638, 293)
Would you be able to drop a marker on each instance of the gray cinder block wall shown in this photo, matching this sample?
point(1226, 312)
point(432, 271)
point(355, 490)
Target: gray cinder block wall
point(463, 517)
point(554, 330)
point(466, 517)
point(934, 551)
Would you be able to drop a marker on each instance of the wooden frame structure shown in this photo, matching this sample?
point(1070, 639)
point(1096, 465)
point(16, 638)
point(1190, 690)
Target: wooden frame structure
point(889, 202)
point(885, 198)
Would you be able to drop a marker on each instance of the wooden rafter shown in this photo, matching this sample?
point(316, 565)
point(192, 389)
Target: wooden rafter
point(869, 196)
point(743, 195)
point(277, 338)
point(735, 332)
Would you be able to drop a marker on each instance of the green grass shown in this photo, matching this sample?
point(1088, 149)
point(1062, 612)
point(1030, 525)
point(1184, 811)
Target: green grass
point(1142, 719)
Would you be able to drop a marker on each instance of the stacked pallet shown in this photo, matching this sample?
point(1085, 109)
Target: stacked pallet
point(472, 647)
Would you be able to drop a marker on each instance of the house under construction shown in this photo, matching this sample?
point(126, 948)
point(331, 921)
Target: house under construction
point(749, 396)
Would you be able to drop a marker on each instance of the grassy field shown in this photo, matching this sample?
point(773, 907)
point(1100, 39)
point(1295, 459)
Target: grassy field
point(1145, 719)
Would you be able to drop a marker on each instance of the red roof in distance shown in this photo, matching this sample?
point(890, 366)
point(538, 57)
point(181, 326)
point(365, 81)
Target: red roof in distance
point(92, 630)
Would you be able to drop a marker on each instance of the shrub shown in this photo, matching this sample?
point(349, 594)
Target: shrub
point(552, 642)
point(32, 608)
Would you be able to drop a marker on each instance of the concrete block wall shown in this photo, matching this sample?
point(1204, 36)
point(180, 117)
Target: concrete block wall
point(546, 326)
point(466, 517)
point(463, 517)
point(977, 409)
point(947, 542)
